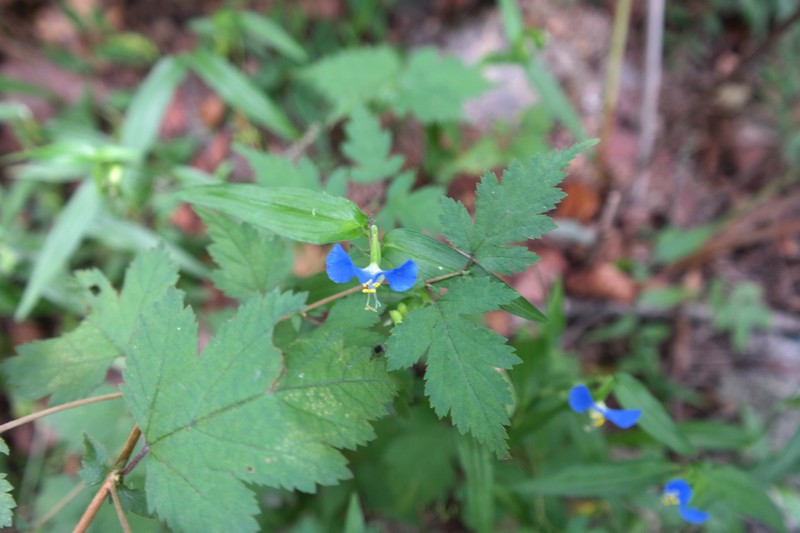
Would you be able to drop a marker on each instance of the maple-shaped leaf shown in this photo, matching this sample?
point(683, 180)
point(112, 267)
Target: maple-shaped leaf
point(250, 260)
point(274, 170)
point(368, 147)
point(461, 376)
point(355, 76)
point(7, 502)
point(240, 413)
point(70, 367)
point(434, 88)
point(509, 211)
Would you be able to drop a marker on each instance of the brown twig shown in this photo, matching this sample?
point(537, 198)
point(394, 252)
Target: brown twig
point(110, 482)
point(123, 520)
point(58, 408)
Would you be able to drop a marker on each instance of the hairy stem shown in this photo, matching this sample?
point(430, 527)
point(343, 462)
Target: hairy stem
point(40, 414)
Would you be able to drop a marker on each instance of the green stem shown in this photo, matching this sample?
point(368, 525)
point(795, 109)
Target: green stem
point(374, 246)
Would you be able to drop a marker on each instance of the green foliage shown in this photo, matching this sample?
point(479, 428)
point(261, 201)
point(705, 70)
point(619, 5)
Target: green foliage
point(224, 417)
point(509, 211)
point(250, 261)
point(739, 312)
point(299, 214)
point(434, 88)
point(461, 377)
point(7, 503)
point(72, 366)
point(95, 462)
point(368, 147)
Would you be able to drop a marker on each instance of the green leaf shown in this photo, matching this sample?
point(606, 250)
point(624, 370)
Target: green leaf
point(674, 244)
point(143, 118)
point(436, 259)
point(742, 493)
point(95, 462)
point(59, 245)
point(354, 521)
point(239, 92)
point(711, 435)
point(266, 31)
point(354, 76)
point(250, 260)
point(368, 146)
point(419, 461)
point(240, 414)
point(299, 214)
point(739, 312)
point(71, 366)
point(509, 211)
point(418, 209)
point(655, 420)
point(7, 502)
point(478, 466)
point(603, 480)
point(782, 463)
point(434, 88)
point(461, 376)
point(275, 171)
point(553, 97)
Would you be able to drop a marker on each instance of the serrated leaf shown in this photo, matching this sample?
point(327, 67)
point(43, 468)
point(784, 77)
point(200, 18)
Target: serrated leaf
point(418, 209)
point(655, 420)
point(239, 414)
point(461, 376)
point(509, 211)
point(299, 214)
point(275, 171)
point(743, 494)
point(95, 462)
point(71, 366)
point(354, 76)
point(7, 503)
point(368, 146)
point(265, 30)
point(239, 92)
point(59, 245)
point(434, 88)
point(597, 480)
point(250, 261)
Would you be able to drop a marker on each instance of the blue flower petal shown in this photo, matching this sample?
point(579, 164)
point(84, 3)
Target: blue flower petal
point(403, 277)
point(580, 399)
point(693, 515)
point(339, 266)
point(623, 418)
point(681, 488)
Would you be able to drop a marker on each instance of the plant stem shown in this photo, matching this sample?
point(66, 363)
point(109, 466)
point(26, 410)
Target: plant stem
point(108, 485)
point(123, 520)
point(41, 414)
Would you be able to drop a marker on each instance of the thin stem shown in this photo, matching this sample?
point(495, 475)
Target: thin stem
point(123, 520)
point(332, 298)
point(41, 414)
point(111, 480)
point(619, 36)
point(135, 461)
point(445, 276)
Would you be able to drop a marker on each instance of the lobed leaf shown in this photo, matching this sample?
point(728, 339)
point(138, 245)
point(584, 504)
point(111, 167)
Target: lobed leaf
point(368, 146)
point(240, 414)
point(7, 503)
point(461, 376)
point(250, 261)
point(509, 212)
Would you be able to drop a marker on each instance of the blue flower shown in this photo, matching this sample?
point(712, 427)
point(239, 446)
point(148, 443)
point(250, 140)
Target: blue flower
point(341, 269)
point(678, 492)
point(580, 400)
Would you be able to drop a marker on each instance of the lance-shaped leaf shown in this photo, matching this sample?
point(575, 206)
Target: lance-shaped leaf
point(299, 214)
point(509, 211)
point(239, 413)
point(461, 377)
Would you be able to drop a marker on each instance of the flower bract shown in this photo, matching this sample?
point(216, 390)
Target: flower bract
point(679, 492)
point(580, 400)
point(340, 269)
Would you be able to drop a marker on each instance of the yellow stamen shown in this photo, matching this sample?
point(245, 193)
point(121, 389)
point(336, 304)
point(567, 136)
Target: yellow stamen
point(670, 498)
point(597, 418)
